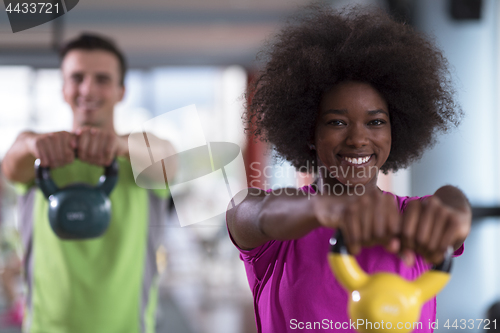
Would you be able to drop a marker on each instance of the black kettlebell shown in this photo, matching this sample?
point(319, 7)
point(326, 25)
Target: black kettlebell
point(78, 211)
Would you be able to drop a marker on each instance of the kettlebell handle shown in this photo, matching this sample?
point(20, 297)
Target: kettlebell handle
point(352, 277)
point(339, 246)
point(44, 180)
point(110, 177)
point(107, 181)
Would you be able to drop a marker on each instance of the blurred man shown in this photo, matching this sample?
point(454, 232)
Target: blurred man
point(108, 284)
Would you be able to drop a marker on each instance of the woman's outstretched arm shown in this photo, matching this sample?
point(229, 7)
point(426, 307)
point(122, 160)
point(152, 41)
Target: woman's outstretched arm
point(289, 213)
point(262, 217)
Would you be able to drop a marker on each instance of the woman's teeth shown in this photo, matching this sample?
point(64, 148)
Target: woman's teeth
point(359, 160)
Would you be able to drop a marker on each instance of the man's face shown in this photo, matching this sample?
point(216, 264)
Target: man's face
point(91, 86)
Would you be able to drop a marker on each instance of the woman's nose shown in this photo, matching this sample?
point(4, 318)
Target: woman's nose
point(357, 136)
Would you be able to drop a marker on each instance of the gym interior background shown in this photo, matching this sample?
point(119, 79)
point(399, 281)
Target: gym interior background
point(203, 52)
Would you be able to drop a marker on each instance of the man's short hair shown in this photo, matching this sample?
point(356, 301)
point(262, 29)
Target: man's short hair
point(92, 42)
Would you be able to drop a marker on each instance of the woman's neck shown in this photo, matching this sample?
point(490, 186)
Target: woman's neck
point(334, 186)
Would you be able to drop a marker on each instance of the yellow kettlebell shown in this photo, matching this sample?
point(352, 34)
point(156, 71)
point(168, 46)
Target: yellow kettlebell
point(385, 300)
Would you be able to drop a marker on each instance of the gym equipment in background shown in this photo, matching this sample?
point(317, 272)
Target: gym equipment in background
point(78, 211)
point(384, 297)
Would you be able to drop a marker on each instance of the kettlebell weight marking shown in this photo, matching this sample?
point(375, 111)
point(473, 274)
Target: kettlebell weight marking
point(75, 216)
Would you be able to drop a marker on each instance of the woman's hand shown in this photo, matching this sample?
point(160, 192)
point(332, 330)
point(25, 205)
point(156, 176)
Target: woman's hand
point(431, 225)
point(371, 219)
point(427, 227)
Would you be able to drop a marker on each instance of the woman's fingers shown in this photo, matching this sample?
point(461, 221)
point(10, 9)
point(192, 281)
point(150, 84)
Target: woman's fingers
point(353, 228)
point(366, 216)
point(438, 229)
point(393, 245)
point(432, 226)
point(386, 222)
point(329, 211)
point(456, 230)
point(430, 209)
point(427, 227)
point(373, 219)
point(379, 217)
point(410, 221)
point(394, 218)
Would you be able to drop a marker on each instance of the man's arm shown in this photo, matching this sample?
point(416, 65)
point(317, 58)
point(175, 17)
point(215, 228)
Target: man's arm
point(53, 149)
point(93, 145)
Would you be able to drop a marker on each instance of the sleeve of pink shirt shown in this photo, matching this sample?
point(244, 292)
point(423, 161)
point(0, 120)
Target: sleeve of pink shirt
point(253, 254)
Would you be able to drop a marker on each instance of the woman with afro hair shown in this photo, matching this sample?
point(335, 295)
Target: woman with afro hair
point(345, 94)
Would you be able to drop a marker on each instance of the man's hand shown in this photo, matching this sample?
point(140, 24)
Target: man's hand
point(53, 149)
point(99, 147)
point(57, 149)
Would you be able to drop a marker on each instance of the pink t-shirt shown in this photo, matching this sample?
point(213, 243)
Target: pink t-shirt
point(295, 290)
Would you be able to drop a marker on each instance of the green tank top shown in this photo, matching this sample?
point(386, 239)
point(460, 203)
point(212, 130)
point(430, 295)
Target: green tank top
point(108, 284)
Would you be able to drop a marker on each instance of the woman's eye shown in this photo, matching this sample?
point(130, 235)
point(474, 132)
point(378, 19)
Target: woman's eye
point(336, 122)
point(377, 122)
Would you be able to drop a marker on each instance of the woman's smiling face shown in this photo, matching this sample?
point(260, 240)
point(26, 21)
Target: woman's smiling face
point(353, 133)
